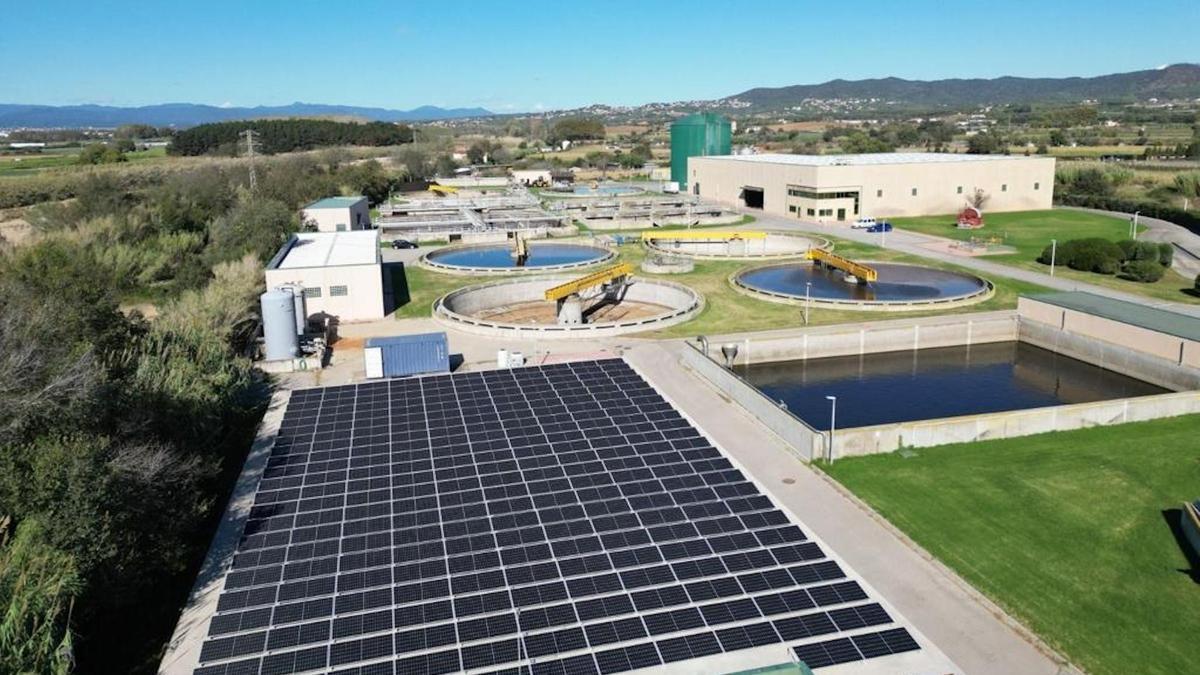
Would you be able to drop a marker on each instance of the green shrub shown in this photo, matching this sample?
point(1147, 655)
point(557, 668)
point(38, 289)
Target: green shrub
point(1090, 255)
point(1108, 267)
point(1166, 254)
point(1128, 248)
point(1145, 250)
point(1145, 271)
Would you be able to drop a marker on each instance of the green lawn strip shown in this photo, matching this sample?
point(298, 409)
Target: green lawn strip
point(726, 310)
point(1063, 530)
point(1029, 232)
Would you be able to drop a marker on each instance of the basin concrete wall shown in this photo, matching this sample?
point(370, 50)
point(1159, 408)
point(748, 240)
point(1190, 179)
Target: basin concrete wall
point(872, 338)
point(1127, 360)
point(931, 332)
point(429, 260)
point(775, 246)
point(888, 437)
point(457, 308)
point(805, 441)
point(984, 293)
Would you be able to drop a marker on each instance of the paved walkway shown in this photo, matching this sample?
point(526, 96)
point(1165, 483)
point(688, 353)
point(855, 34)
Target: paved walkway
point(918, 244)
point(974, 633)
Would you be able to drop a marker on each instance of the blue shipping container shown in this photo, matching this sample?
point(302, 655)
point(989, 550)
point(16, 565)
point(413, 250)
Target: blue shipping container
point(405, 355)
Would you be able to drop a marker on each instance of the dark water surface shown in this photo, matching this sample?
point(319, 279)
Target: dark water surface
point(896, 282)
point(500, 255)
point(931, 383)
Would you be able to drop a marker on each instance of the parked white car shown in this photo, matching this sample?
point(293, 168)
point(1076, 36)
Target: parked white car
point(863, 223)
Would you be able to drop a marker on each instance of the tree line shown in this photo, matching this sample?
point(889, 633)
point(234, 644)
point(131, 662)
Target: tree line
point(277, 136)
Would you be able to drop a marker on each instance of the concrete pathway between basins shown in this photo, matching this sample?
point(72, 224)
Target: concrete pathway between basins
point(972, 631)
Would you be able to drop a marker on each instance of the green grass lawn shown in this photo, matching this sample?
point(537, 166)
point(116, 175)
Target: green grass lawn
point(1031, 231)
point(1066, 531)
point(726, 310)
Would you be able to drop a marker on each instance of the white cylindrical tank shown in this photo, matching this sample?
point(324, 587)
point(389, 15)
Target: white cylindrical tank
point(297, 292)
point(280, 341)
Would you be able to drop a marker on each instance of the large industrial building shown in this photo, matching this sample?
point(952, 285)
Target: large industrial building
point(337, 214)
point(698, 135)
point(341, 273)
point(830, 188)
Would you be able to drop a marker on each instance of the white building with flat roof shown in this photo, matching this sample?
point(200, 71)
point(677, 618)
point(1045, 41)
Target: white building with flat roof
point(337, 214)
point(341, 272)
point(831, 188)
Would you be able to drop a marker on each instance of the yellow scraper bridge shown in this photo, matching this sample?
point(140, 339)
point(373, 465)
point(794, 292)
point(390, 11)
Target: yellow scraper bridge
point(716, 235)
point(863, 272)
point(589, 281)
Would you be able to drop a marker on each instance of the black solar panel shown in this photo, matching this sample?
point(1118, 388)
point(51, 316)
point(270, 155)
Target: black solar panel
point(558, 519)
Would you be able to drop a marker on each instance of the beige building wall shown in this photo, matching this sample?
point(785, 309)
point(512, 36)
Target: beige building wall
point(363, 285)
point(1169, 347)
point(884, 190)
point(357, 217)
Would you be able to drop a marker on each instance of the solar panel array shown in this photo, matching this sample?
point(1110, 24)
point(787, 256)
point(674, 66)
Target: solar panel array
point(561, 519)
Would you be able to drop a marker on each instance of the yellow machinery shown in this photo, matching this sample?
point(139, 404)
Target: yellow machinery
point(862, 272)
point(586, 281)
point(693, 235)
point(443, 190)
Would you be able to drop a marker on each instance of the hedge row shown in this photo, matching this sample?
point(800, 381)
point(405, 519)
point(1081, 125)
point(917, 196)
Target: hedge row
point(1144, 261)
point(1186, 219)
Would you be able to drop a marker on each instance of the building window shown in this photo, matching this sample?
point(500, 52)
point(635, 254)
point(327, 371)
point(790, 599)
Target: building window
point(338, 291)
point(812, 212)
point(960, 189)
point(1037, 186)
point(914, 192)
point(311, 292)
point(826, 213)
point(879, 193)
point(792, 208)
point(1004, 187)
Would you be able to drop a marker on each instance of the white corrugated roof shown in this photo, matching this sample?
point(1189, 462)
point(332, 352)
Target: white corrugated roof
point(862, 160)
point(326, 249)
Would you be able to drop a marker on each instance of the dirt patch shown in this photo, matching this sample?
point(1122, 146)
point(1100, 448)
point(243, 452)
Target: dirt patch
point(16, 231)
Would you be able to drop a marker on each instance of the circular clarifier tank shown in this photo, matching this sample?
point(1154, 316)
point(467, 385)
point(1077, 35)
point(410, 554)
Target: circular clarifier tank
point(899, 286)
point(773, 245)
point(500, 258)
point(515, 307)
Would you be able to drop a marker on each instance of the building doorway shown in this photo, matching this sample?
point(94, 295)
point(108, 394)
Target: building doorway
point(841, 214)
point(752, 197)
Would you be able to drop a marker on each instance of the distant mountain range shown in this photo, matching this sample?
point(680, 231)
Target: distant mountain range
point(1180, 81)
point(1176, 82)
point(192, 114)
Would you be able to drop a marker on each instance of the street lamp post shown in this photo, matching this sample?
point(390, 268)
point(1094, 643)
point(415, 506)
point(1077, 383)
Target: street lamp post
point(1133, 225)
point(1053, 251)
point(807, 300)
point(832, 424)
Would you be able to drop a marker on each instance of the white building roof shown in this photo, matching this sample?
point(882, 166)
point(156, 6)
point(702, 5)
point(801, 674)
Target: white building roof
point(862, 160)
point(328, 249)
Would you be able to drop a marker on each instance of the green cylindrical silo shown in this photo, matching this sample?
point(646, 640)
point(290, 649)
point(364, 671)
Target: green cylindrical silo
point(697, 135)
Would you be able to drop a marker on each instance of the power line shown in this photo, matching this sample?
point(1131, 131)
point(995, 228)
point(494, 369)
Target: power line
point(251, 137)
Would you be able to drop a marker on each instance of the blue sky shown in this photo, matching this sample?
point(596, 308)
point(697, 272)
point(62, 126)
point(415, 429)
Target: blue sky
point(520, 56)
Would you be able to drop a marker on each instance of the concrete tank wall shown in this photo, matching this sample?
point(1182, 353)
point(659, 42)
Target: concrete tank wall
point(931, 332)
point(457, 308)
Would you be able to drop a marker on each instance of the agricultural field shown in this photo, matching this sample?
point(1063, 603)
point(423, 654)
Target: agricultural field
point(1069, 532)
point(1031, 231)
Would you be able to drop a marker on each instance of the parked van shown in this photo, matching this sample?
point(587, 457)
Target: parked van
point(863, 223)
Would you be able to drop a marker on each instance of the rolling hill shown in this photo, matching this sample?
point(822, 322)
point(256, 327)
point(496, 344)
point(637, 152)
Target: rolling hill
point(192, 114)
point(1180, 81)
